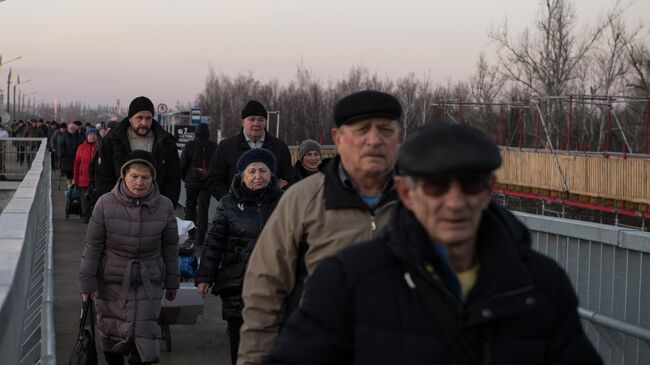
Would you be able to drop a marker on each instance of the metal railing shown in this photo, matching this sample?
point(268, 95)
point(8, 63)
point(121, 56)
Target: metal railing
point(26, 277)
point(609, 268)
point(17, 155)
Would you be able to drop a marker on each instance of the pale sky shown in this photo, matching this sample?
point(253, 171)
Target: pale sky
point(100, 51)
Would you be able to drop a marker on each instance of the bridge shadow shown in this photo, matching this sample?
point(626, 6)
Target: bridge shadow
point(203, 343)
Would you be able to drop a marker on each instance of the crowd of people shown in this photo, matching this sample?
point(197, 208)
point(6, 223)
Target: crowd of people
point(390, 252)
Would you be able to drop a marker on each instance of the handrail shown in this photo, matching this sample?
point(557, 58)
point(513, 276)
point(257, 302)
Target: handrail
point(615, 324)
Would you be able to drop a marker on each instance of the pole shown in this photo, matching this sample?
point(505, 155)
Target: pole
point(647, 111)
point(568, 129)
point(8, 89)
point(609, 124)
point(14, 114)
point(550, 145)
point(536, 131)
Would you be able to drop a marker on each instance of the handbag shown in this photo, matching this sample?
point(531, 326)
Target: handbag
point(84, 351)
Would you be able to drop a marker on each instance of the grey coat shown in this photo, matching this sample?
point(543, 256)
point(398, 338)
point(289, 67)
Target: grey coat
point(130, 256)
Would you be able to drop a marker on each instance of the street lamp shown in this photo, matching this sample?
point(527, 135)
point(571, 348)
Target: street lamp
point(17, 84)
point(8, 78)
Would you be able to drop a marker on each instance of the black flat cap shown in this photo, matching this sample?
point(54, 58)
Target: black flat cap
point(366, 104)
point(441, 148)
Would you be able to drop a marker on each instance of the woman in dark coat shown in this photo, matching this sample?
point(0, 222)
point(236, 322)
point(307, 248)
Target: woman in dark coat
point(241, 215)
point(129, 260)
point(310, 156)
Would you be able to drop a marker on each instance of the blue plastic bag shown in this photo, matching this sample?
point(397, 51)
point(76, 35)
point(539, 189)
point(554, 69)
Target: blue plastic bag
point(72, 193)
point(188, 264)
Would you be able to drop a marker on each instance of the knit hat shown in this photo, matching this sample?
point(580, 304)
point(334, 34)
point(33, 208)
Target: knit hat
point(202, 131)
point(139, 156)
point(91, 130)
point(140, 104)
point(366, 104)
point(254, 107)
point(72, 127)
point(256, 155)
point(63, 125)
point(307, 146)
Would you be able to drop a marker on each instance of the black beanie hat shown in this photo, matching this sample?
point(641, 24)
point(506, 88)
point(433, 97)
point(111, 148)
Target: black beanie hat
point(140, 104)
point(254, 107)
point(139, 156)
point(366, 104)
point(256, 155)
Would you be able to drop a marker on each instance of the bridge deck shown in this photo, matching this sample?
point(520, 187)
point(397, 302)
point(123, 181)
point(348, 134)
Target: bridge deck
point(204, 343)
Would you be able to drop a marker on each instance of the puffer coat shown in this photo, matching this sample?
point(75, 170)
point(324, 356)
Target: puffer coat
point(240, 217)
point(130, 257)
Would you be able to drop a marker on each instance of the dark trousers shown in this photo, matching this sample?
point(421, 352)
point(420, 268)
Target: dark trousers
point(234, 325)
point(85, 205)
point(197, 204)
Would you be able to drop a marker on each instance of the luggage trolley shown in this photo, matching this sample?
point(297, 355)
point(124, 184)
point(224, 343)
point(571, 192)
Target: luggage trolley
point(187, 306)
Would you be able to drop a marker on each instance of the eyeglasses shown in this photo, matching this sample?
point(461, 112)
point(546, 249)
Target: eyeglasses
point(470, 184)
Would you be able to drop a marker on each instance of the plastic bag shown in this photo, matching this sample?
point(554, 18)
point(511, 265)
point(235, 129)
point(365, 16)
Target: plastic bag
point(184, 228)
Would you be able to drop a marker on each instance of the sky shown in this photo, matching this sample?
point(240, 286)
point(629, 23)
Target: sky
point(97, 52)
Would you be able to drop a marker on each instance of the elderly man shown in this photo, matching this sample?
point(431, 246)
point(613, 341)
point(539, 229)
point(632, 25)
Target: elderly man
point(346, 203)
point(138, 131)
point(252, 135)
point(453, 280)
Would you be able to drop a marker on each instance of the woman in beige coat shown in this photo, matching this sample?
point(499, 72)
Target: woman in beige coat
point(129, 259)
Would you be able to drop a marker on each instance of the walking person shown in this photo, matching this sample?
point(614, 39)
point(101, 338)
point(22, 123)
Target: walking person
point(452, 280)
point(72, 139)
point(310, 157)
point(129, 260)
point(139, 131)
point(349, 201)
point(241, 215)
point(55, 143)
point(253, 134)
point(81, 175)
point(195, 159)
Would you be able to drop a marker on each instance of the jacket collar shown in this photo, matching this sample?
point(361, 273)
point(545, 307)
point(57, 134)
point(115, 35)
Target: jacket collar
point(503, 244)
point(340, 196)
point(240, 194)
point(269, 140)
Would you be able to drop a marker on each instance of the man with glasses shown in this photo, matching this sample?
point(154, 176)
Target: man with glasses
point(452, 280)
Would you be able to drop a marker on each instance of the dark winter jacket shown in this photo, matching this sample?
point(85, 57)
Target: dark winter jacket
point(240, 217)
point(57, 139)
point(195, 159)
point(130, 257)
point(115, 146)
point(68, 150)
point(359, 308)
point(223, 163)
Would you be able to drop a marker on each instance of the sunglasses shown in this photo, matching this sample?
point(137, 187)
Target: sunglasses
point(470, 184)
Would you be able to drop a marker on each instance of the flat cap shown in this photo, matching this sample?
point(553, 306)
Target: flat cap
point(441, 148)
point(366, 104)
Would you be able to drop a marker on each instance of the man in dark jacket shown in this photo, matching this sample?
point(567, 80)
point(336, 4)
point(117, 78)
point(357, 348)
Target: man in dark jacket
point(252, 135)
point(453, 280)
point(72, 139)
point(138, 131)
point(194, 171)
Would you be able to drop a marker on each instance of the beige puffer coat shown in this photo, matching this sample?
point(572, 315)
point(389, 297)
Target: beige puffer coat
point(130, 257)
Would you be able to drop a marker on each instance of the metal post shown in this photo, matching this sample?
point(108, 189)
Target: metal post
point(501, 126)
point(550, 145)
point(14, 113)
point(568, 131)
point(620, 128)
point(609, 123)
point(645, 137)
point(521, 127)
point(8, 89)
